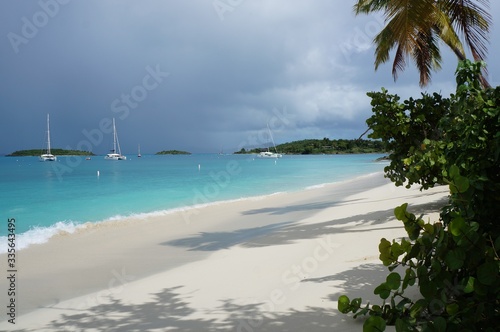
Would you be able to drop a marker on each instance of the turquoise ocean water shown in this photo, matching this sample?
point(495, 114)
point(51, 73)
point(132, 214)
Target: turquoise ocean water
point(47, 197)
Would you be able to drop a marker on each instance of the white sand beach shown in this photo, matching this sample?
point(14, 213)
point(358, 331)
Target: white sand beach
point(277, 263)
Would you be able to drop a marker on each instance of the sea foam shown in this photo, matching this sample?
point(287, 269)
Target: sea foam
point(38, 235)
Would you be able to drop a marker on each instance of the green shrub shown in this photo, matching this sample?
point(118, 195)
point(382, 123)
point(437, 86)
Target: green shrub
point(455, 261)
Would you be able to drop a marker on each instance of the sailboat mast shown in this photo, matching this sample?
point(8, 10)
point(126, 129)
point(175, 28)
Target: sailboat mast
point(48, 134)
point(114, 136)
point(272, 139)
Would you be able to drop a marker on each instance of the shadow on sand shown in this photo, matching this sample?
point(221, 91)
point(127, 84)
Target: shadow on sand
point(169, 311)
point(291, 231)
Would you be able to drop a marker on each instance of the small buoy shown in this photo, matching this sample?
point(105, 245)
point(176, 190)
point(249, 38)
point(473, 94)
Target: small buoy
point(98, 173)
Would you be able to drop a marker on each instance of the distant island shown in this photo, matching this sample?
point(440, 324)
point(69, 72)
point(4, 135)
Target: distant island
point(56, 152)
point(172, 152)
point(324, 146)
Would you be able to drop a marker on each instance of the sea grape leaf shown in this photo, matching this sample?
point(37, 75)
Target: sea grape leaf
point(413, 230)
point(469, 287)
point(356, 304)
point(400, 212)
point(374, 324)
point(385, 252)
point(439, 324)
point(393, 280)
point(383, 291)
point(403, 303)
point(405, 245)
point(428, 289)
point(497, 243)
point(384, 245)
point(402, 325)
point(396, 249)
point(436, 266)
point(487, 273)
point(429, 228)
point(454, 171)
point(460, 184)
point(417, 308)
point(457, 225)
point(344, 304)
point(409, 279)
point(452, 309)
point(455, 258)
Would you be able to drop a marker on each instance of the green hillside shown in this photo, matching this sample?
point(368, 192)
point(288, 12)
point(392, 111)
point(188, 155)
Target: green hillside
point(325, 146)
point(55, 152)
point(172, 152)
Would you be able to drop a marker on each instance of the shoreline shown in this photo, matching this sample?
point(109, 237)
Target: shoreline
point(40, 235)
point(220, 264)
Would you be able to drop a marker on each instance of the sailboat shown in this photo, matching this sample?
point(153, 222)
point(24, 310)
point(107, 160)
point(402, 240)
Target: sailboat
point(139, 151)
point(115, 154)
point(269, 154)
point(48, 156)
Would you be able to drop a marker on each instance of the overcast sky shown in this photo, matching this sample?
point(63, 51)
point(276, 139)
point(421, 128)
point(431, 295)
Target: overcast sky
point(197, 75)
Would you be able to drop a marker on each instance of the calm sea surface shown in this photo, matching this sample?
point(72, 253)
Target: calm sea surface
point(46, 197)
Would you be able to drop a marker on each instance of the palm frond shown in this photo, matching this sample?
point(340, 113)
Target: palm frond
point(399, 63)
point(369, 6)
point(414, 28)
point(446, 32)
point(385, 42)
point(472, 19)
point(427, 57)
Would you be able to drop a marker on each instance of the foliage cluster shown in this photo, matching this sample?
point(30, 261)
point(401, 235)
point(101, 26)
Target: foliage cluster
point(454, 262)
point(326, 146)
point(172, 152)
point(56, 152)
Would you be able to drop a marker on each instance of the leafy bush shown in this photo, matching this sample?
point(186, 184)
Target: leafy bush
point(454, 262)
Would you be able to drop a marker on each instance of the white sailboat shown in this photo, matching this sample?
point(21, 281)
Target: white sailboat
point(115, 154)
point(47, 156)
point(139, 151)
point(269, 154)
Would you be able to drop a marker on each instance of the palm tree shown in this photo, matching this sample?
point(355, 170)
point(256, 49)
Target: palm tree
point(415, 27)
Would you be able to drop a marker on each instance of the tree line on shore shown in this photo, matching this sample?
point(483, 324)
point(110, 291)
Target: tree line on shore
point(57, 152)
point(325, 146)
point(65, 152)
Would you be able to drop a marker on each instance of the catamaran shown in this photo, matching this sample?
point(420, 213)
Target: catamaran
point(115, 154)
point(47, 156)
point(269, 154)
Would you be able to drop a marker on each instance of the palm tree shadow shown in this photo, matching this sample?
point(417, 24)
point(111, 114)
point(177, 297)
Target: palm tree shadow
point(169, 311)
point(331, 201)
point(276, 234)
point(280, 210)
point(357, 282)
point(252, 318)
point(213, 241)
point(288, 232)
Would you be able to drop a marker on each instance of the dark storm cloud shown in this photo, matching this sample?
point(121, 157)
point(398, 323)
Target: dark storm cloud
point(193, 75)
